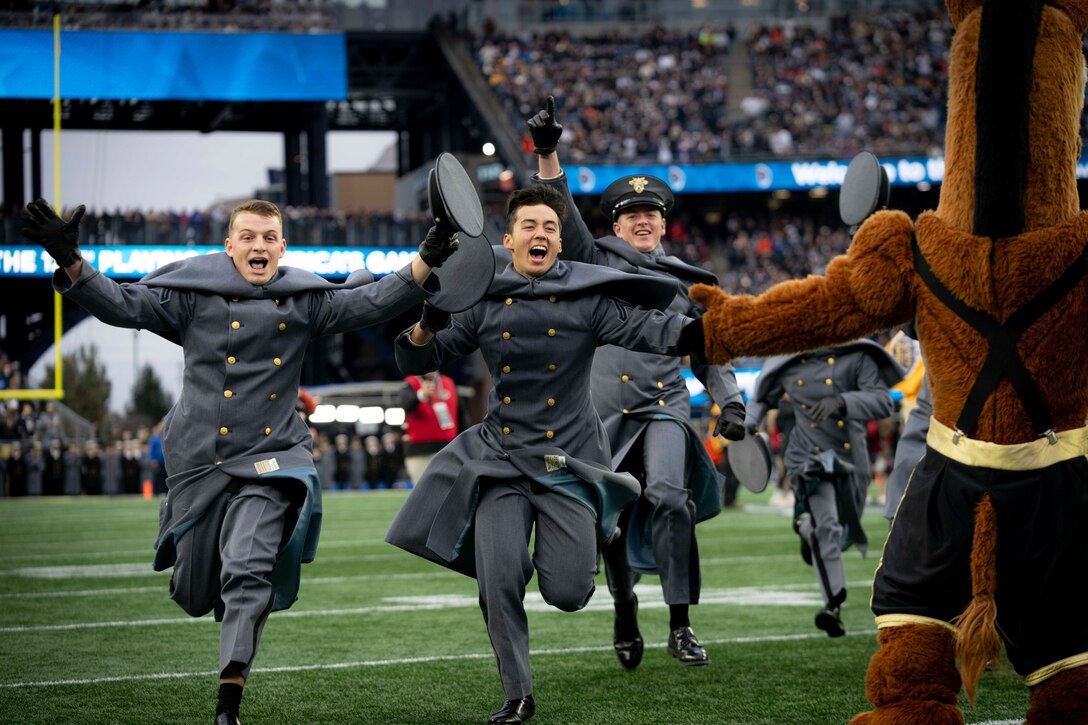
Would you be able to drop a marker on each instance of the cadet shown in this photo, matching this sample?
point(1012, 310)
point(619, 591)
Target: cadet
point(646, 409)
point(834, 393)
point(541, 455)
point(243, 509)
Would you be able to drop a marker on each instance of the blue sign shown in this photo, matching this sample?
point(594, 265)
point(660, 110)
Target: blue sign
point(133, 262)
point(171, 66)
point(768, 176)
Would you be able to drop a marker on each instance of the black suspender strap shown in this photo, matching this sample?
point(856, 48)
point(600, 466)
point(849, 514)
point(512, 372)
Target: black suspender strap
point(1003, 358)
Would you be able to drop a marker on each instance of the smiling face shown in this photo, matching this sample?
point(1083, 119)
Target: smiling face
point(533, 238)
point(640, 226)
point(255, 245)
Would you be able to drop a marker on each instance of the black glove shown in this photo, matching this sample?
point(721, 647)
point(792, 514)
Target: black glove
point(545, 130)
point(730, 424)
point(437, 247)
point(691, 340)
point(829, 406)
point(433, 319)
point(60, 238)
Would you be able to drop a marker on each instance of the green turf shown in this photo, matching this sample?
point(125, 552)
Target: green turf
point(380, 636)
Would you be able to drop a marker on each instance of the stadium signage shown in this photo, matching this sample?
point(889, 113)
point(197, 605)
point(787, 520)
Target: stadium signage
point(136, 261)
point(767, 176)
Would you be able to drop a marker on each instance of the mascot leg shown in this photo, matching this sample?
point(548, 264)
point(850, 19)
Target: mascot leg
point(912, 679)
point(1061, 699)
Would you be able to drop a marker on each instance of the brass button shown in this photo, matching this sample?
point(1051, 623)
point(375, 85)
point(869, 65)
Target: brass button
point(277, 361)
point(506, 368)
point(506, 335)
point(624, 378)
point(831, 361)
point(509, 300)
point(232, 359)
point(233, 299)
point(505, 431)
point(661, 402)
point(625, 411)
point(506, 400)
point(804, 406)
point(800, 382)
point(277, 302)
point(827, 381)
point(227, 393)
point(223, 431)
point(551, 367)
point(272, 396)
point(846, 446)
point(551, 402)
point(218, 463)
point(550, 434)
point(268, 431)
point(811, 425)
point(841, 423)
point(236, 324)
point(660, 385)
point(552, 298)
point(283, 326)
point(551, 333)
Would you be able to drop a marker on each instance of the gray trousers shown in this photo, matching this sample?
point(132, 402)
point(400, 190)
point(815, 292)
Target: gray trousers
point(664, 461)
point(565, 559)
point(823, 532)
point(249, 540)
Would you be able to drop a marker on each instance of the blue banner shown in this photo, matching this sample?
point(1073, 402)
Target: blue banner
point(769, 176)
point(133, 262)
point(168, 66)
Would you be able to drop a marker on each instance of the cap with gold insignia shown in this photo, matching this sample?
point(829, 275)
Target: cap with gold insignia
point(637, 189)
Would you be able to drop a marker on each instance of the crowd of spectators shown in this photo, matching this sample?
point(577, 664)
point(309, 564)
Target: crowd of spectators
point(655, 97)
point(302, 226)
point(223, 16)
point(864, 82)
point(873, 82)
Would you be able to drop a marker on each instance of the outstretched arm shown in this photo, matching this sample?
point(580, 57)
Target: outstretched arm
point(870, 288)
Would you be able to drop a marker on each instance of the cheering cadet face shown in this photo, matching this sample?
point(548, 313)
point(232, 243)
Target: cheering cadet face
point(640, 226)
point(533, 239)
point(256, 244)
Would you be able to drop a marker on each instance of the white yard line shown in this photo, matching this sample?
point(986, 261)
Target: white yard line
point(795, 595)
point(407, 661)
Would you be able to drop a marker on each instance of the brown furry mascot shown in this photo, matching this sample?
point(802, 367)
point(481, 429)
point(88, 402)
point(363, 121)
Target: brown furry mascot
point(992, 534)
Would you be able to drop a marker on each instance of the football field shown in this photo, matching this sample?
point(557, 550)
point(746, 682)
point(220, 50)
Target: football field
point(89, 635)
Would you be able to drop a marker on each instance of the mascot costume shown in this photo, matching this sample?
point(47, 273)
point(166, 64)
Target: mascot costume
point(990, 542)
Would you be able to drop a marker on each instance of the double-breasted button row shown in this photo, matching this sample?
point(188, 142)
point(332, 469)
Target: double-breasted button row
point(225, 430)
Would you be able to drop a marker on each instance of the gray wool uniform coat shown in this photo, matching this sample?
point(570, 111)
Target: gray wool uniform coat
point(630, 388)
point(861, 372)
point(538, 337)
point(235, 418)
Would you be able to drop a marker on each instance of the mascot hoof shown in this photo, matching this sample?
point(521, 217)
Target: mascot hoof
point(912, 678)
point(911, 713)
point(1061, 699)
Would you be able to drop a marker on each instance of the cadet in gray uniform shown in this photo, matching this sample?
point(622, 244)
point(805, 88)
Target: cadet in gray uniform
point(645, 406)
point(541, 456)
point(909, 450)
point(834, 393)
point(243, 509)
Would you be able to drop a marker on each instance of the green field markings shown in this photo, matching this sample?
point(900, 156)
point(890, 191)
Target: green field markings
point(542, 652)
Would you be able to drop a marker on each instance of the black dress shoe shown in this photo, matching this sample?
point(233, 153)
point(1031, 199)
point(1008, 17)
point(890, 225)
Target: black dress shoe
point(515, 711)
point(686, 648)
point(225, 718)
point(628, 640)
point(828, 620)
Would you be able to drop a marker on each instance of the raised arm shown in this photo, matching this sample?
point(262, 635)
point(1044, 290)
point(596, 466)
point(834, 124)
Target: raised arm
point(870, 288)
point(546, 130)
